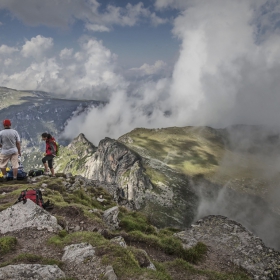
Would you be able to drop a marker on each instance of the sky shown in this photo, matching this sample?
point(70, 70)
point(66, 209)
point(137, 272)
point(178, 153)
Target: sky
point(157, 63)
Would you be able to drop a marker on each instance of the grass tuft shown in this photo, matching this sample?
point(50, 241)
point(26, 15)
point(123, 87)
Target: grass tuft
point(7, 244)
point(31, 258)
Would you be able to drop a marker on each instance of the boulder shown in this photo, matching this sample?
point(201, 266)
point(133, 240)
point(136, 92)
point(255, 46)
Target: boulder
point(236, 244)
point(28, 215)
point(119, 240)
point(78, 252)
point(31, 272)
point(110, 273)
point(143, 259)
point(110, 217)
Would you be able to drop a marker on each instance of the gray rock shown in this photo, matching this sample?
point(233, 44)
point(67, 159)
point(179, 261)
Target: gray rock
point(77, 228)
point(120, 169)
point(144, 260)
point(31, 272)
point(68, 175)
point(110, 273)
point(110, 217)
point(28, 215)
point(44, 185)
point(100, 199)
point(119, 240)
point(77, 253)
point(236, 244)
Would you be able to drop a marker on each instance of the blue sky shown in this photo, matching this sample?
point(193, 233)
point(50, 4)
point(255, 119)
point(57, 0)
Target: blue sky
point(157, 62)
point(134, 43)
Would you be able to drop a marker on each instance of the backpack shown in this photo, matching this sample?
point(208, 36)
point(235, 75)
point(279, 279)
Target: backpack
point(21, 175)
point(35, 172)
point(57, 148)
point(34, 195)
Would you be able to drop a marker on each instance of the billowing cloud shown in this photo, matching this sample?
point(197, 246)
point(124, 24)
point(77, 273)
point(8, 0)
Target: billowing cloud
point(6, 50)
point(8, 61)
point(56, 13)
point(51, 12)
point(224, 74)
point(36, 47)
point(227, 73)
point(66, 53)
point(147, 69)
point(89, 72)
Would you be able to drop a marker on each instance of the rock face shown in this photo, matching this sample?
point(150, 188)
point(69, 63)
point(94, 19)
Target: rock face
point(78, 252)
point(110, 217)
point(122, 172)
point(116, 165)
point(28, 215)
point(236, 244)
point(31, 271)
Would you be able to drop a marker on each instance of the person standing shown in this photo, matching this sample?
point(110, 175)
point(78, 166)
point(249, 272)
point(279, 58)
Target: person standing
point(49, 154)
point(10, 144)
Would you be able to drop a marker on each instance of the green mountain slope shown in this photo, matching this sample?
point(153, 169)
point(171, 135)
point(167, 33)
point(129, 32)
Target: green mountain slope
point(203, 151)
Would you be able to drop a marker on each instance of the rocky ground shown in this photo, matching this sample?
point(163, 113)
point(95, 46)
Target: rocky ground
point(86, 235)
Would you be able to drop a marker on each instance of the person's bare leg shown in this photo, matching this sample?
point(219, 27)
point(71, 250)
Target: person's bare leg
point(15, 172)
point(52, 171)
point(4, 172)
point(46, 167)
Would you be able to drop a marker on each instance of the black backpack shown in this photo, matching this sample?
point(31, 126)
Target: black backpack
point(35, 172)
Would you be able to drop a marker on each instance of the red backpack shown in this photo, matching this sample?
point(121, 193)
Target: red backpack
point(35, 195)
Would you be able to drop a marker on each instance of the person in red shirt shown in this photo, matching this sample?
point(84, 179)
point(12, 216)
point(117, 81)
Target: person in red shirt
point(49, 154)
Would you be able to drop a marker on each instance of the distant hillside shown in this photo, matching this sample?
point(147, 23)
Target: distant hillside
point(243, 157)
point(33, 113)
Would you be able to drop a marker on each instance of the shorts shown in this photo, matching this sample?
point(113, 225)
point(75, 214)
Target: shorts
point(4, 159)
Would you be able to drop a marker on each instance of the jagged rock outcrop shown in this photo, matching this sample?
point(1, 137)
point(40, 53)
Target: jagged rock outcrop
point(28, 215)
point(81, 141)
point(31, 271)
point(115, 164)
point(236, 244)
point(110, 217)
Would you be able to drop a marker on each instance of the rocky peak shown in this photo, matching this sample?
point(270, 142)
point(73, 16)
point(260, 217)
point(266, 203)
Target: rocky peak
point(121, 168)
point(234, 243)
point(82, 146)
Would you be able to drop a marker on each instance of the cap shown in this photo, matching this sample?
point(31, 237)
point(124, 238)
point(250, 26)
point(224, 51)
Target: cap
point(7, 123)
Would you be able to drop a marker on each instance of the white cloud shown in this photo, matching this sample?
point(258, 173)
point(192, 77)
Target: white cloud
point(224, 75)
point(66, 53)
point(56, 13)
point(8, 61)
point(1, 23)
point(147, 69)
point(90, 73)
point(6, 50)
point(176, 4)
point(36, 47)
point(51, 12)
point(157, 20)
point(97, 27)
